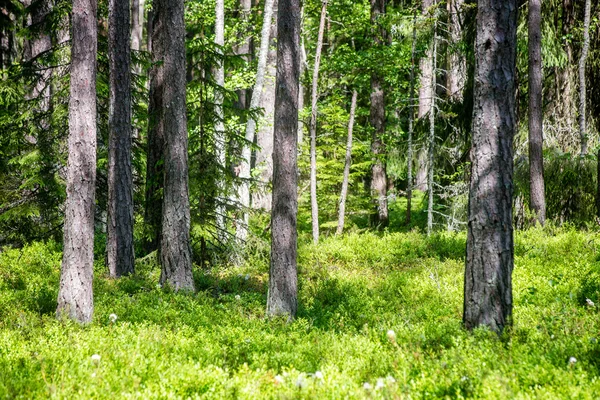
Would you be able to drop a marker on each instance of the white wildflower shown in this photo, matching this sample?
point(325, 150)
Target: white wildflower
point(572, 360)
point(279, 379)
point(112, 318)
point(380, 384)
point(247, 277)
point(391, 336)
point(319, 375)
point(367, 386)
point(590, 303)
point(300, 382)
point(238, 297)
point(390, 379)
point(96, 358)
point(93, 374)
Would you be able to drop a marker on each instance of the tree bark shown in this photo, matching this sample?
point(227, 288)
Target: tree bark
point(219, 75)
point(457, 63)
point(490, 248)
point(75, 295)
point(120, 256)
point(582, 87)
point(425, 93)
point(431, 141)
point(243, 49)
point(169, 52)
point(314, 205)
point(255, 101)
point(282, 298)
point(137, 24)
point(380, 217)
point(344, 194)
point(411, 122)
point(536, 137)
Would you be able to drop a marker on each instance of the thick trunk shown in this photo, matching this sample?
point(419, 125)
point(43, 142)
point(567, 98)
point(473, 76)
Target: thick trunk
point(380, 217)
point(120, 256)
point(244, 167)
point(536, 160)
point(425, 92)
point(243, 49)
point(282, 298)
point(490, 248)
point(137, 24)
point(169, 52)
point(219, 76)
point(582, 88)
point(75, 296)
point(344, 194)
point(431, 141)
point(314, 205)
point(457, 63)
point(411, 122)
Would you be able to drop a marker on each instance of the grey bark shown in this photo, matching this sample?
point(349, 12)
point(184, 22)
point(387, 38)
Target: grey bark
point(457, 63)
point(314, 205)
point(243, 49)
point(137, 24)
point(282, 298)
point(421, 178)
point(380, 217)
point(582, 87)
point(425, 93)
point(411, 122)
point(75, 296)
point(219, 76)
point(490, 248)
point(536, 137)
point(120, 256)
point(344, 193)
point(169, 51)
point(431, 141)
point(255, 101)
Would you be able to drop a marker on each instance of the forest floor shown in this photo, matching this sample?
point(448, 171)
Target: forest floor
point(353, 290)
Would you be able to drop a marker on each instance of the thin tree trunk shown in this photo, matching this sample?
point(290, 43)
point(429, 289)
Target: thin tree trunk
point(411, 119)
point(120, 256)
point(490, 246)
point(582, 87)
point(431, 141)
point(380, 218)
point(536, 137)
point(169, 50)
point(244, 167)
point(344, 194)
point(457, 63)
point(75, 296)
point(137, 24)
point(425, 93)
point(282, 298)
point(219, 75)
point(314, 205)
point(243, 49)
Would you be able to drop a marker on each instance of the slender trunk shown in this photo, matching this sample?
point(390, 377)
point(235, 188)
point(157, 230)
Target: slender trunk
point(425, 93)
point(169, 51)
point(380, 217)
point(411, 119)
point(137, 24)
point(490, 246)
point(301, 90)
point(75, 296)
point(282, 297)
point(344, 194)
point(457, 62)
point(120, 256)
point(582, 88)
point(536, 137)
point(219, 75)
point(314, 205)
point(244, 167)
point(243, 49)
point(431, 142)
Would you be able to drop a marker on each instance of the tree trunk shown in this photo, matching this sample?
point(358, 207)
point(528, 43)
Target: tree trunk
point(75, 296)
point(431, 141)
point(343, 195)
point(536, 137)
point(425, 93)
point(255, 101)
point(243, 49)
point(490, 248)
point(137, 24)
point(457, 62)
point(411, 122)
point(219, 75)
point(380, 217)
point(582, 88)
point(169, 51)
point(314, 205)
point(120, 256)
point(282, 298)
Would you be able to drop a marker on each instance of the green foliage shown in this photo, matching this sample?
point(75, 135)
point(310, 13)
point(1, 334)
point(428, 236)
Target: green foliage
point(218, 344)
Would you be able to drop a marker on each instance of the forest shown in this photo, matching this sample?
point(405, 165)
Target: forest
point(286, 199)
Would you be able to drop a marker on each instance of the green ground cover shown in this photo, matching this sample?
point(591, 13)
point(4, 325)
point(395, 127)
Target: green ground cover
point(353, 290)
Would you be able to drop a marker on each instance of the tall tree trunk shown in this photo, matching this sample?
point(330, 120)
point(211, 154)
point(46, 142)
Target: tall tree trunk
point(137, 24)
point(120, 256)
point(425, 93)
point(282, 298)
point(344, 194)
point(219, 75)
point(75, 296)
point(380, 218)
point(243, 49)
point(536, 137)
point(490, 248)
point(314, 205)
point(457, 63)
point(582, 88)
point(255, 101)
point(169, 51)
point(431, 141)
point(411, 123)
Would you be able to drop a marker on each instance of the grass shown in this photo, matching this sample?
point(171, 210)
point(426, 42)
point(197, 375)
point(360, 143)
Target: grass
point(353, 289)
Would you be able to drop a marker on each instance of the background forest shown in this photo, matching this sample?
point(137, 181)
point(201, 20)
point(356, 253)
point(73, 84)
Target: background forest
point(386, 144)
